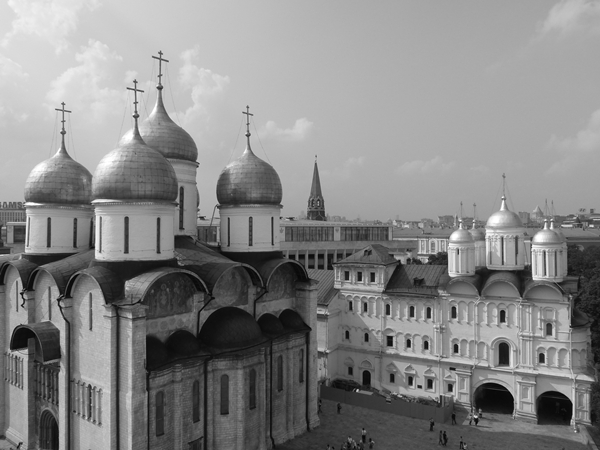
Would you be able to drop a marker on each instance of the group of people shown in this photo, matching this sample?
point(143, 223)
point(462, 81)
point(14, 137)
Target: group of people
point(351, 444)
point(474, 416)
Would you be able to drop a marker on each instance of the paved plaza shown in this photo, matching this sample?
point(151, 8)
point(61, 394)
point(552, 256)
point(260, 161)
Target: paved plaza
point(494, 432)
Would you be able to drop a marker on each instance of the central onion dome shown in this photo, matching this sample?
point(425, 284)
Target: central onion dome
point(504, 218)
point(134, 171)
point(477, 233)
point(461, 236)
point(230, 327)
point(59, 179)
point(161, 133)
point(249, 181)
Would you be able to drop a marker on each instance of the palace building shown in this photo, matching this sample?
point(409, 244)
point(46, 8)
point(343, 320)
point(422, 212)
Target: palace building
point(121, 330)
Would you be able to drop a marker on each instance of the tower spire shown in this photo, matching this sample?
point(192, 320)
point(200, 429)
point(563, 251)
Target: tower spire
point(316, 203)
point(160, 59)
point(474, 215)
point(62, 131)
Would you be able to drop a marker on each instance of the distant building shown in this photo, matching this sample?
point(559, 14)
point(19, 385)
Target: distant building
point(12, 212)
point(525, 217)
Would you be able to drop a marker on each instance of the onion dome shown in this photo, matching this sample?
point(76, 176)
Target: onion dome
point(271, 325)
point(504, 218)
point(557, 231)
point(461, 236)
point(59, 179)
point(546, 236)
point(292, 320)
point(161, 133)
point(134, 171)
point(230, 327)
point(249, 181)
point(477, 233)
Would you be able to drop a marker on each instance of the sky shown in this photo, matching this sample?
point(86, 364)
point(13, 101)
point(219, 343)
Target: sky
point(411, 107)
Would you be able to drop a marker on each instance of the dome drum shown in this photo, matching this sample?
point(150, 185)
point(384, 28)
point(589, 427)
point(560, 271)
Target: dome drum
point(249, 228)
point(57, 230)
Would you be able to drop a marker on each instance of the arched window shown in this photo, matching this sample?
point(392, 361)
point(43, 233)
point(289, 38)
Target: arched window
point(228, 232)
point(388, 309)
point(410, 380)
point(250, 231)
point(501, 250)
point(366, 337)
point(411, 311)
point(91, 242)
point(429, 383)
point(252, 390)
point(126, 235)
point(549, 329)
point(196, 401)
point(75, 232)
point(455, 349)
point(428, 312)
point(181, 199)
point(90, 311)
point(280, 373)
point(503, 354)
point(408, 343)
point(453, 313)
point(100, 236)
point(272, 230)
point(425, 345)
point(392, 378)
point(28, 230)
point(347, 334)
point(542, 358)
point(301, 366)
point(159, 414)
point(432, 247)
point(365, 307)
point(49, 232)
point(502, 316)
point(224, 395)
point(158, 235)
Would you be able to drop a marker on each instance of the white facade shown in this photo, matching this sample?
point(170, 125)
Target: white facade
point(248, 228)
point(187, 210)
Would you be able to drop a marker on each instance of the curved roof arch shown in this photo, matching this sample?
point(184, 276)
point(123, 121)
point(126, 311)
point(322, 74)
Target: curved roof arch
point(535, 283)
point(508, 278)
point(23, 266)
point(61, 270)
point(47, 340)
point(110, 283)
point(137, 287)
point(471, 284)
point(268, 268)
point(210, 274)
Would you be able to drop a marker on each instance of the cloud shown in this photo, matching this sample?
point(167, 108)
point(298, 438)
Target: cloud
point(85, 87)
point(570, 17)
point(51, 20)
point(206, 85)
point(433, 166)
point(11, 72)
point(346, 170)
point(300, 131)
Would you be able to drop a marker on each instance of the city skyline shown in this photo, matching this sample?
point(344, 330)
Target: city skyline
point(411, 107)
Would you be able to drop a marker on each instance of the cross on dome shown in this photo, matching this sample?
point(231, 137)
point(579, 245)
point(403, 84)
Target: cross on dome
point(63, 110)
point(248, 114)
point(135, 102)
point(160, 74)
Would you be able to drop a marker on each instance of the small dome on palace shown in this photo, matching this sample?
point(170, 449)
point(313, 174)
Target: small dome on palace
point(270, 324)
point(183, 343)
point(557, 231)
point(230, 327)
point(504, 218)
point(134, 171)
point(292, 320)
point(161, 133)
point(546, 236)
point(249, 181)
point(478, 234)
point(461, 236)
point(59, 179)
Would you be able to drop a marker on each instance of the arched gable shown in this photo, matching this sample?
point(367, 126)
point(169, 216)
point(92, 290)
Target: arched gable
point(23, 266)
point(543, 290)
point(110, 284)
point(462, 286)
point(47, 340)
point(501, 288)
point(61, 270)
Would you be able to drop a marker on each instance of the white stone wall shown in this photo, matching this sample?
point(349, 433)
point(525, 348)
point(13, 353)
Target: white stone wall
point(235, 228)
point(186, 179)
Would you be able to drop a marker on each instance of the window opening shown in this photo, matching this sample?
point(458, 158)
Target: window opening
point(181, 208)
point(160, 413)
point(224, 395)
point(252, 396)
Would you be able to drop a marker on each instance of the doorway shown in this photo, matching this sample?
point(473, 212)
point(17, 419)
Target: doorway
point(48, 431)
point(366, 378)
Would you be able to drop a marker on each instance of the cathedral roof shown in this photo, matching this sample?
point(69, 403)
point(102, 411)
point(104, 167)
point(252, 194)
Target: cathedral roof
point(421, 278)
point(231, 328)
point(161, 133)
point(134, 171)
point(372, 254)
point(504, 218)
point(271, 325)
point(461, 236)
point(59, 179)
point(292, 321)
point(249, 181)
point(546, 236)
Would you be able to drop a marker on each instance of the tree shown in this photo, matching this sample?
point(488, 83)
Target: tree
point(584, 263)
point(439, 259)
point(588, 302)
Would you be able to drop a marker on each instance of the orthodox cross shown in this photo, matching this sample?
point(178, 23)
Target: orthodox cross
point(504, 185)
point(248, 114)
point(135, 102)
point(461, 211)
point(63, 110)
point(160, 60)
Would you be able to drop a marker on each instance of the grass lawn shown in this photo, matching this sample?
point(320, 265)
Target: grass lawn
point(495, 432)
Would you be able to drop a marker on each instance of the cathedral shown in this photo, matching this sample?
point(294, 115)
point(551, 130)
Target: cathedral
point(121, 330)
point(495, 329)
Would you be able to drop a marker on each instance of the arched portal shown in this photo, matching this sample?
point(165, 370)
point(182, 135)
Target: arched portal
point(366, 378)
point(554, 408)
point(48, 431)
point(494, 398)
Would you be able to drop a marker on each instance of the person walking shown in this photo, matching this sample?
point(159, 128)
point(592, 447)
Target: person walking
point(461, 444)
point(339, 407)
point(371, 444)
point(320, 403)
point(431, 424)
point(480, 413)
point(476, 419)
point(441, 439)
point(364, 435)
point(445, 438)
point(453, 418)
point(470, 418)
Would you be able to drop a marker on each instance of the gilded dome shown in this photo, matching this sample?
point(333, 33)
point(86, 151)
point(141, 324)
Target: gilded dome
point(546, 236)
point(134, 171)
point(477, 233)
point(230, 327)
point(461, 236)
point(161, 133)
point(561, 235)
point(504, 218)
point(249, 181)
point(59, 179)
